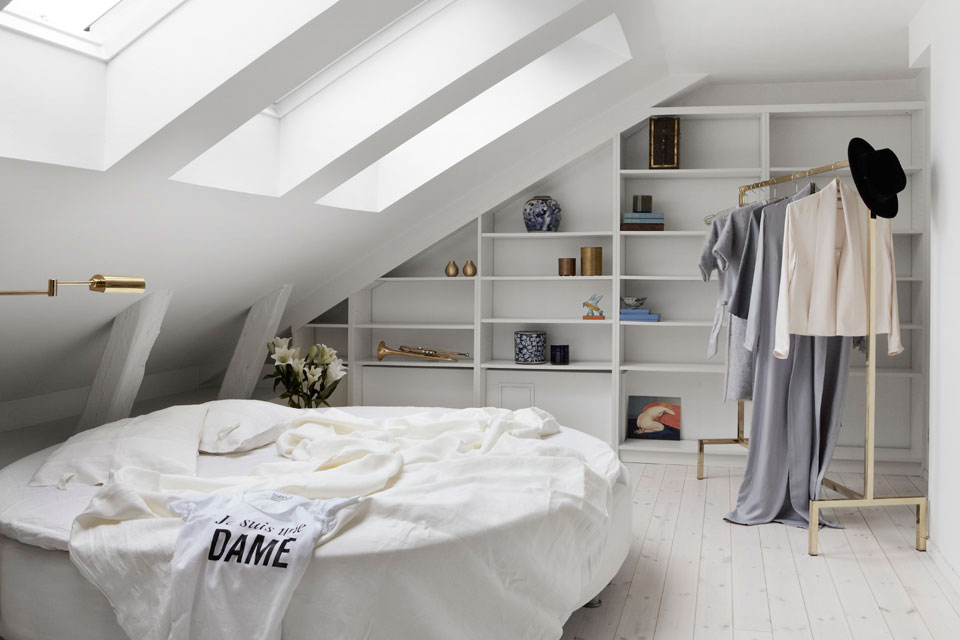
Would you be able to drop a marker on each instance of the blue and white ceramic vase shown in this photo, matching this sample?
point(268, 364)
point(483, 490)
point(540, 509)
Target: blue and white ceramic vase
point(541, 213)
point(530, 347)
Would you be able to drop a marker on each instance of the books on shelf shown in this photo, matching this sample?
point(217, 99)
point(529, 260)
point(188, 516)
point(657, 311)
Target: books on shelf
point(641, 217)
point(639, 315)
point(640, 226)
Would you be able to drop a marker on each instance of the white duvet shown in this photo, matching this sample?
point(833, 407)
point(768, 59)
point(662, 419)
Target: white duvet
point(500, 525)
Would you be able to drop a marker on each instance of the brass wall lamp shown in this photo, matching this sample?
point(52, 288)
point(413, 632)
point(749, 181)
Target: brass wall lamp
point(98, 283)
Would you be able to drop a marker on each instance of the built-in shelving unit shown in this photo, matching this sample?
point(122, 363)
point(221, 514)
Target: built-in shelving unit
point(518, 287)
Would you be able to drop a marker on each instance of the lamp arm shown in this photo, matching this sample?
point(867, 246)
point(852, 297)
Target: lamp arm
point(98, 283)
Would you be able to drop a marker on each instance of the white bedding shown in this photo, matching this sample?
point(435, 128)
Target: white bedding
point(452, 549)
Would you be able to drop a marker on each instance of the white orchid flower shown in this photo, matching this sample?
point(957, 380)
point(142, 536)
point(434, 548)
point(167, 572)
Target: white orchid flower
point(284, 356)
point(281, 343)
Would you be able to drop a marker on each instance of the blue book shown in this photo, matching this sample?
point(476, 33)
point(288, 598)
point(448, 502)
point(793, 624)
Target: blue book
point(635, 312)
point(643, 216)
point(650, 317)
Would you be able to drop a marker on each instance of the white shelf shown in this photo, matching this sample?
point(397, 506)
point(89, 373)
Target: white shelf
point(748, 172)
point(540, 235)
point(605, 321)
point(668, 323)
point(676, 446)
point(673, 367)
point(666, 234)
point(692, 278)
point(415, 325)
point(546, 278)
point(573, 366)
point(909, 279)
point(327, 325)
point(426, 279)
point(401, 361)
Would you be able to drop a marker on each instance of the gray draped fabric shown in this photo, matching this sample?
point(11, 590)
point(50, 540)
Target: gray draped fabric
point(708, 262)
point(797, 402)
point(727, 252)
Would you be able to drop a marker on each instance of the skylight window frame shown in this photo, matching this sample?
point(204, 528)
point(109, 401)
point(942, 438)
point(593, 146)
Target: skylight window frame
point(86, 44)
point(355, 57)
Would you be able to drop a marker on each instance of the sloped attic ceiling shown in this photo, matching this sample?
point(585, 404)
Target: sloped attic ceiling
point(219, 251)
point(89, 146)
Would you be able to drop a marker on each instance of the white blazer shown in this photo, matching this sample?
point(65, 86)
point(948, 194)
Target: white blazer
point(823, 279)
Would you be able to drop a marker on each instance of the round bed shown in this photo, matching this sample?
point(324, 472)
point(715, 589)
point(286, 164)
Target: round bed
point(381, 577)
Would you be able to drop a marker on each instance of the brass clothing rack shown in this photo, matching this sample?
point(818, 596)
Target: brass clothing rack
point(853, 499)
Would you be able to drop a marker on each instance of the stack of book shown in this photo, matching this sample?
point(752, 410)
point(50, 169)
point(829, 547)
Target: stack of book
point(642, 222)
point(638, 315)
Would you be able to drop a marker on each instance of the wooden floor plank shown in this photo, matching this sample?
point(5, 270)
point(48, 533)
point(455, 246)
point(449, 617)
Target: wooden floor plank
point(601, 623)
point(788, 617)
point(642, 605)
point(750, 609)
point(820, 598)
point(690, 574)
point(904, 519)
point(571, 629)
point(920, 483)
point(714, 615)
point(859, 606)
point(678, 605)
point(636, 470)
point(933, 606)
point(898, 609)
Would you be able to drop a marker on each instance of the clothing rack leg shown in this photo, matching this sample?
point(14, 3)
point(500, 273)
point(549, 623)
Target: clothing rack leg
point(740, 440)
point(813, 532)
point(699, 459)
point(869, 432)
point(922, 525)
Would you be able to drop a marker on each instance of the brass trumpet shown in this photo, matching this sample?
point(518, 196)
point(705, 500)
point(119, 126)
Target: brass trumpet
point(419, 352)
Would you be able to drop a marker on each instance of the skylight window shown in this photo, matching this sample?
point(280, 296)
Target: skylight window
point(504, 106)
point(73, 16)
point(97, 28)
point(352, 99)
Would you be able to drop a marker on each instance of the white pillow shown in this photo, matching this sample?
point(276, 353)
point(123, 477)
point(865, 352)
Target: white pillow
point(164, 441)
point(232, 426)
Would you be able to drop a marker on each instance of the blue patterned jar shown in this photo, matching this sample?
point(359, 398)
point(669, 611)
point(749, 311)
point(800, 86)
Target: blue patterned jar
point(530, 347)
point(541, 213)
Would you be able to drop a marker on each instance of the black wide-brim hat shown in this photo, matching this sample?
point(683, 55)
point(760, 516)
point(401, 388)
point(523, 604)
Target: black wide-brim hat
point(877, 175)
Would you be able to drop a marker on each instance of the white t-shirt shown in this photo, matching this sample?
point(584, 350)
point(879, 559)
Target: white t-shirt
point(239, 557)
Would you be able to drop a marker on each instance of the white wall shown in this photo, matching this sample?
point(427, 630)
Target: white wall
point(34, 125)
point(944, 472)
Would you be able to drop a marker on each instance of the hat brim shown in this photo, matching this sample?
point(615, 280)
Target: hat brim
point(879, 206)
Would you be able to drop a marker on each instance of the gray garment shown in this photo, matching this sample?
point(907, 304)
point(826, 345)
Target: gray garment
point(738, 381)
point(797, 402)
point(728, 251)
point(708, 262)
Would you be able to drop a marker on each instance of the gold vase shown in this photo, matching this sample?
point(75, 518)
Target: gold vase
point(452, 270)
point(591, 261)
point(469, 269)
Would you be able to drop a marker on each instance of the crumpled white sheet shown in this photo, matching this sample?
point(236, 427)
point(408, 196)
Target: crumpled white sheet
point(497, 528)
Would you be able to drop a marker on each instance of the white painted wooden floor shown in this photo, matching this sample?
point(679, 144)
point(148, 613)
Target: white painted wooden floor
point(692, 575)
